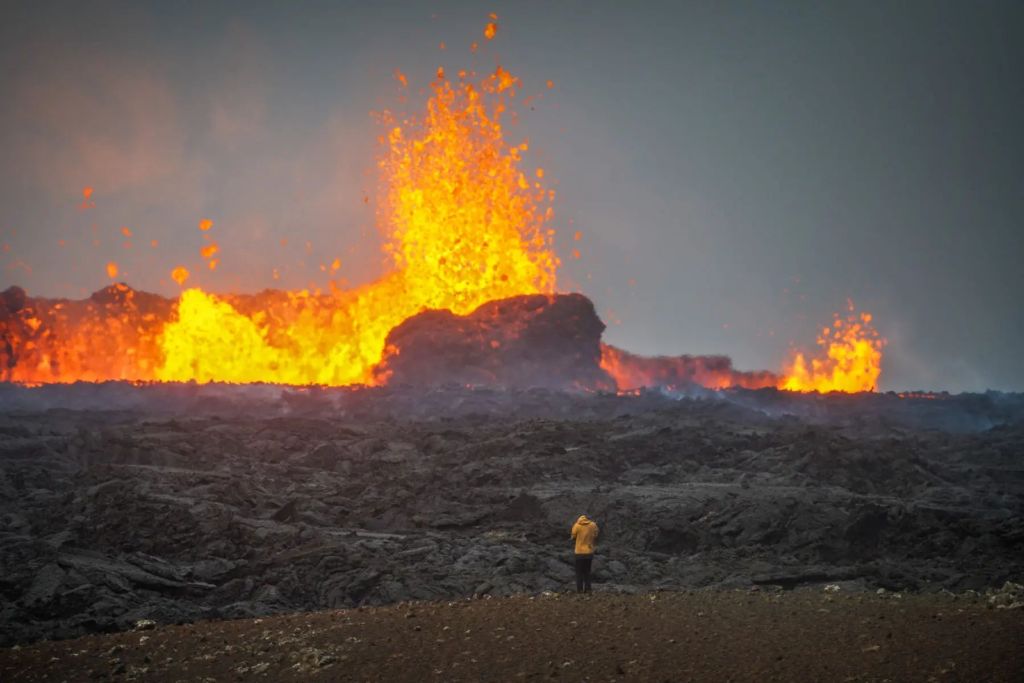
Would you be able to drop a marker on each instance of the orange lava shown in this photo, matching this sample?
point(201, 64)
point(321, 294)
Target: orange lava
point(850, 361)
point(180, 274)
point(678, 372)
point(462, 223)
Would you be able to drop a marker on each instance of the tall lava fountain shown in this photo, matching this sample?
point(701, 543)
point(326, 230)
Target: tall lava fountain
point(463, 224)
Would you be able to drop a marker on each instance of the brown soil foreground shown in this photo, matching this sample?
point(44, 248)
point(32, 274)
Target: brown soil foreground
point(701, 636)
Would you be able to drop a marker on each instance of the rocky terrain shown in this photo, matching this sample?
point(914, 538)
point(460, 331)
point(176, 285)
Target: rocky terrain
point(178, 503)
point(821, 634)
point(520, 342)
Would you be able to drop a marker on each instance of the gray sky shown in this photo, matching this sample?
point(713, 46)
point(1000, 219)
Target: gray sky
point(750, 166)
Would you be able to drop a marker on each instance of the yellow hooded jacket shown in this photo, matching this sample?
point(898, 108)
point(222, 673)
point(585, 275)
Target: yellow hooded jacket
point(584, 532)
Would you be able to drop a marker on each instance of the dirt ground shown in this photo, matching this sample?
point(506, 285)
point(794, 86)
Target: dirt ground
point(664, 636)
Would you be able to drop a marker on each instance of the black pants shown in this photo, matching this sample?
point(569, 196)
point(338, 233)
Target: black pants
point(583, 563)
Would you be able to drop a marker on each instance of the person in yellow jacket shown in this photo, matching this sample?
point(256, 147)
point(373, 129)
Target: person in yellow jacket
point(584, 532)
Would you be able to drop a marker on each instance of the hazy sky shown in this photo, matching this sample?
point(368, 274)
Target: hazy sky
point(749, 166)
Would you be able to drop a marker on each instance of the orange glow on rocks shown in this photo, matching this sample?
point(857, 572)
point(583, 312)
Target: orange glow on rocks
point(678, 372)
point(851, 361)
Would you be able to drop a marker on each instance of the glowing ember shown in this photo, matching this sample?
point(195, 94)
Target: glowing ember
point(180, 274)
point(112, 270)
point(852, 359)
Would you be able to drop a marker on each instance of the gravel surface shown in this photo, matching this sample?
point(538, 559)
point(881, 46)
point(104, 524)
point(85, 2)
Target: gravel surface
point(662, 636)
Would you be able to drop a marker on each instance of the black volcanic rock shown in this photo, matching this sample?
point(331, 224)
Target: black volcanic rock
point(525, 341)
point(186, 502)
point(13, 300)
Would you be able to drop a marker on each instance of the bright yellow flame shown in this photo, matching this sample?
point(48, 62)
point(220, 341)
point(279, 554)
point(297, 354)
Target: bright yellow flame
point(852, 359)
point(462, 226)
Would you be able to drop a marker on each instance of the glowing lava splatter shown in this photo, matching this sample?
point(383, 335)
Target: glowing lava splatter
point(852, 358)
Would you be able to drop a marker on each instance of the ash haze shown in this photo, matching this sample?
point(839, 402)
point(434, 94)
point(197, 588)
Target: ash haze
point(737, 171)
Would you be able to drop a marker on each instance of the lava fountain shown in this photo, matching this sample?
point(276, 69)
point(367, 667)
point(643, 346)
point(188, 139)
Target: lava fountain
point(463, 224)
point(463, 221)
point(851, 362)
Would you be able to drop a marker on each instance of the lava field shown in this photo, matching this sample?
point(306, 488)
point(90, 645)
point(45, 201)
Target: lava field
point(186, 502)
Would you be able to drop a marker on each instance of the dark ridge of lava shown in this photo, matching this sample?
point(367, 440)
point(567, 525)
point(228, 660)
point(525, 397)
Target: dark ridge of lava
point(550, 341)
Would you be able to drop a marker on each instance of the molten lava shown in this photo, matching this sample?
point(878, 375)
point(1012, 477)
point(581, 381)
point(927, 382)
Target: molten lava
point(679, 372)
point(852, 359)
point(463, 225)
point(851, 362)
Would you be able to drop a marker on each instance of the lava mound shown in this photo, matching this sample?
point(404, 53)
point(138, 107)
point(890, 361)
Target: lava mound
point(551, 341)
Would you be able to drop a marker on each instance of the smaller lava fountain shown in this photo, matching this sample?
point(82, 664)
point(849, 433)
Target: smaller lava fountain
point(852, 361)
